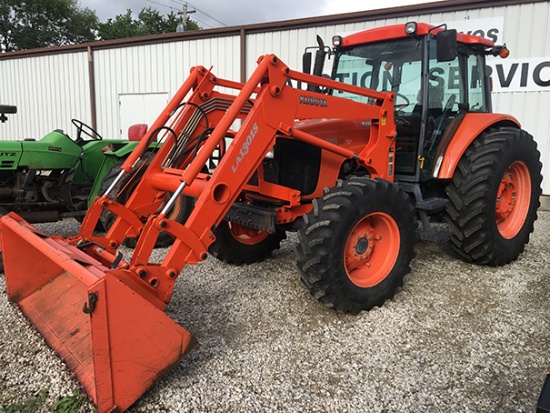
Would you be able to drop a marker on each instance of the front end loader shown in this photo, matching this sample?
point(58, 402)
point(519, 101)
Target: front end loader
point(327, 161)
point(104, 314)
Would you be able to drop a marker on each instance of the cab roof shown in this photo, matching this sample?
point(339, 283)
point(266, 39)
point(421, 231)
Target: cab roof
point(398, 32)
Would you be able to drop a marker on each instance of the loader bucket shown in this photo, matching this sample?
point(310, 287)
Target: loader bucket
point(116, 340)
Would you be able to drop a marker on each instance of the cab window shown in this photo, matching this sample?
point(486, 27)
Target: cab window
point(385, 66)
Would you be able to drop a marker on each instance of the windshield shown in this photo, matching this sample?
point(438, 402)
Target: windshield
point(394, 65)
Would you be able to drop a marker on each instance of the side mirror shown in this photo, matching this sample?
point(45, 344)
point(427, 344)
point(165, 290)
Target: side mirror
point(446, 45)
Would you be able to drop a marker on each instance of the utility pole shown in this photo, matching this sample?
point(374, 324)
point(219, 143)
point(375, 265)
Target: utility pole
point(183, 26)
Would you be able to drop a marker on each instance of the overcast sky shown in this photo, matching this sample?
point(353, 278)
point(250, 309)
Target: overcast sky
point(219, 13)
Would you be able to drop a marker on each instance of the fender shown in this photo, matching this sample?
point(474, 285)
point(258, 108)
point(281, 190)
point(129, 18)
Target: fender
point(127, 149)
point(472, 125)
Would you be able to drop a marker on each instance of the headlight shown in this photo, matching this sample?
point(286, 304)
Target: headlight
point(270, 154)
point(410, 28)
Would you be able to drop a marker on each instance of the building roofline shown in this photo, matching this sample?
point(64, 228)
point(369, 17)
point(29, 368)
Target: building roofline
point(368, 15)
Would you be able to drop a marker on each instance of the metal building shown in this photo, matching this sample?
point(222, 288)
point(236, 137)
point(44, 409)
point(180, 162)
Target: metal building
point(113, 84)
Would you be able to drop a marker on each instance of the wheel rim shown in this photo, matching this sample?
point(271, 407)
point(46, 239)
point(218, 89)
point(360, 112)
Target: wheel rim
point(513, 199)
point(245, 235)
point(372, 249)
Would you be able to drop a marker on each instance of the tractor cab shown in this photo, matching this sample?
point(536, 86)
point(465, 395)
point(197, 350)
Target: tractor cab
point(436, 74)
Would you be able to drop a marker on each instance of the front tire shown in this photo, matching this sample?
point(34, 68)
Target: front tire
point(357, 244)
point(494, 196)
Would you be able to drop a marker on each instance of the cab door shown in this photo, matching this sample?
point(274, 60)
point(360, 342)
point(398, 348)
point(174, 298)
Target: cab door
point(459, 87)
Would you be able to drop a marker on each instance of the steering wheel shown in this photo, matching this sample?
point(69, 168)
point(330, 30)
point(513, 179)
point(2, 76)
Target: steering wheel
point(403, 105)
point(87, 130)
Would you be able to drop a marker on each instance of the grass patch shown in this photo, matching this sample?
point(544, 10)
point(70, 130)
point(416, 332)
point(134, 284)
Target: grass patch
point(69, 404)
point(31, 405)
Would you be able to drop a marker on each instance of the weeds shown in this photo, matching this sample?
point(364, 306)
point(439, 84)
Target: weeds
point(67, 404)
point(31, 405)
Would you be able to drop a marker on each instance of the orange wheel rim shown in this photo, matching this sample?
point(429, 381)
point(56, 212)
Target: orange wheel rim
point(372, 249)
point(247, 236)
point(513, 199)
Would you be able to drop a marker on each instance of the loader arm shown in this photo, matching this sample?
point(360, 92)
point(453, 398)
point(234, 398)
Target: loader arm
point(103, 314)
point(276, 106)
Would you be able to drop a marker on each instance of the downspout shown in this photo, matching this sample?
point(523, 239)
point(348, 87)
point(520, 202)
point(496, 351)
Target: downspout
point(91, 77)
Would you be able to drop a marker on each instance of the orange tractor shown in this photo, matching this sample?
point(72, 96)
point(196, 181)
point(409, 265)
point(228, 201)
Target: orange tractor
point(402, 133)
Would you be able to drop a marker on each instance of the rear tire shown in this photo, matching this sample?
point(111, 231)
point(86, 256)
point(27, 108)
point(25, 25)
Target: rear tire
point(239, 245)
point(357, 244)
point(179, 212)
point(494, 196)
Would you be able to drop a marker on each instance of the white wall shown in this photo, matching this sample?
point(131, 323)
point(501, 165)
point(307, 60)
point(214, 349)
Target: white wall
point(47, 90)
point(159, 68)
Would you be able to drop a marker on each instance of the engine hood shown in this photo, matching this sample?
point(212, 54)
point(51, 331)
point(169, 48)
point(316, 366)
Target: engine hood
point(349, 133)
point(53, 151)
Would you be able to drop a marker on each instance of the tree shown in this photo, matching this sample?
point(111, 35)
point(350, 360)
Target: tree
point(122, 26)
point(28, 24)
point(149, 22)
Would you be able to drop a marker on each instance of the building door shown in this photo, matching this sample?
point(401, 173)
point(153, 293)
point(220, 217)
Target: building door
point(140, 108)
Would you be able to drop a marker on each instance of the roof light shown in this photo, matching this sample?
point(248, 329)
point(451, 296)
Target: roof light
point(337, 41)
point(504, 52)
point(411, 27)
point(500, 51)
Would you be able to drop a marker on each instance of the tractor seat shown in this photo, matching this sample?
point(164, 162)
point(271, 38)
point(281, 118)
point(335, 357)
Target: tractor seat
point(137, 132)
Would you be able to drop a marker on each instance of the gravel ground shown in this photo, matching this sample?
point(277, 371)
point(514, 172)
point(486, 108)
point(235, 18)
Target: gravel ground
point(456, 338)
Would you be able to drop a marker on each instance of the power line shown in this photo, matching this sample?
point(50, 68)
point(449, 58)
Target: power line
point(206, 14)
point(161, 4)
point(194, 18)
point(201, 11)
point(200, 21)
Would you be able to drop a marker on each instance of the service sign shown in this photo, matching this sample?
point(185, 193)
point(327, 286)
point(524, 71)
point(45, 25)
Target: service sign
point(490, 28)
point(511, 74)
point(517, 75)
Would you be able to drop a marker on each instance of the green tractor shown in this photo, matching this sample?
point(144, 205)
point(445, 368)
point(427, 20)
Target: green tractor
point(57, 177)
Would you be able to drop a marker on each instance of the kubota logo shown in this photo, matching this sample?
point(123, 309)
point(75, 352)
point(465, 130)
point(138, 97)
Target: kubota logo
point(306, 100)
point(245, 147)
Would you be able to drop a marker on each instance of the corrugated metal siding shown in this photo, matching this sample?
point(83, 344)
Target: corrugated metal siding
point(527, 34)
point(158, 68)
point(48, 91)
